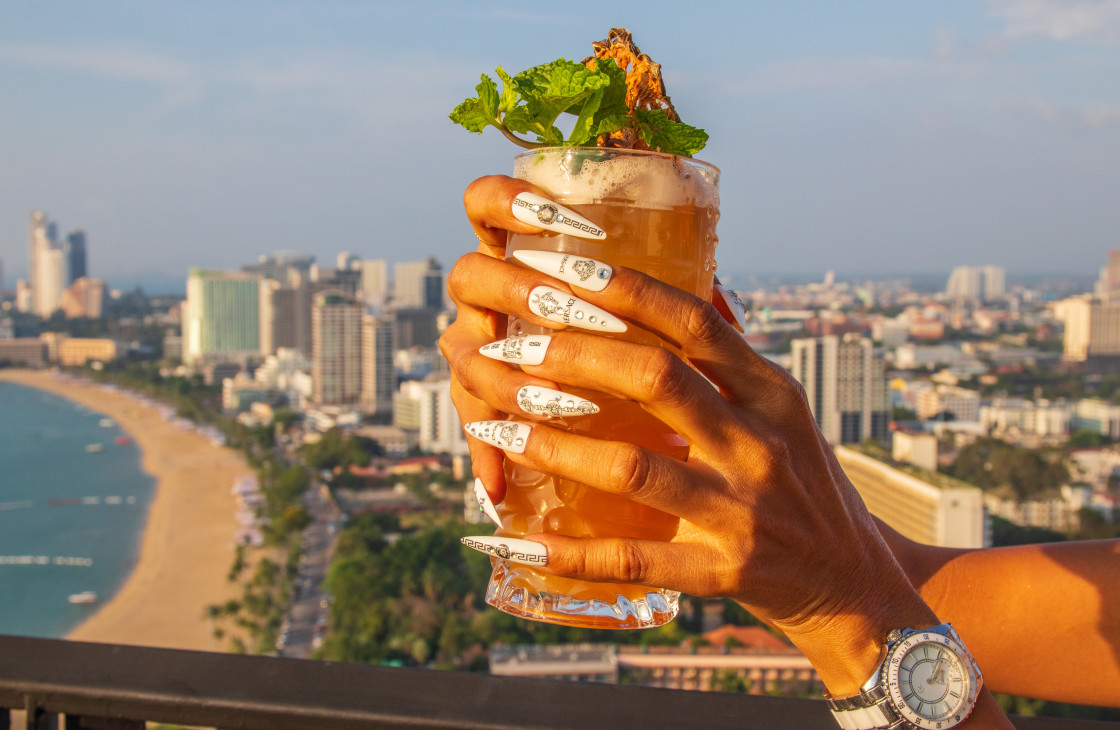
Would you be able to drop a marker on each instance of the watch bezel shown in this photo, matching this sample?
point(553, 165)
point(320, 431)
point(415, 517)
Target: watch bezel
point(945, 636)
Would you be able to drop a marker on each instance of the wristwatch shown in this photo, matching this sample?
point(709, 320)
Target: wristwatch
point(926, 680)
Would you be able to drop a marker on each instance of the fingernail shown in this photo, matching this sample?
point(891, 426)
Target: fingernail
point(523, 349)
point(734, 305)
point(556, 306)
point(548, 402)
point(542, 212)
point(506, 435)
point(512, 549)
point(581, 272)
point(485, 506)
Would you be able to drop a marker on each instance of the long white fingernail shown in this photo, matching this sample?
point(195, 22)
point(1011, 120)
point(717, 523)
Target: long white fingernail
point(542, 212)
point(484, 504)
point(734, 305)
point(523, 349)
point(506, 435)
point(577, 271)
point(548, 402)
point(557, 306)
point(512, 549)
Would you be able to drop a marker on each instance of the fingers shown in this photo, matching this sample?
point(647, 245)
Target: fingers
point(488, 202)
point(686, 567)
point(616, 467)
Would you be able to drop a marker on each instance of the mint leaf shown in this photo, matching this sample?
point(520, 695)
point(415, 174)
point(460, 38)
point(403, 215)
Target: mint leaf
point(662, 133)
point(554, 88)
point(469, 114)
point(509, 94)
point(488, 99)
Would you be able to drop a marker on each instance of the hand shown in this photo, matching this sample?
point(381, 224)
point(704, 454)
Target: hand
point(767, 517)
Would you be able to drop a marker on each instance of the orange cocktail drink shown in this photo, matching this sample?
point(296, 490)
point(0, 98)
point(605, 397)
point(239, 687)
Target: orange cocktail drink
point(659, 213)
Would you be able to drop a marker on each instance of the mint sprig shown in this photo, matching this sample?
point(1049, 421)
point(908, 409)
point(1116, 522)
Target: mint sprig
point(532, 101)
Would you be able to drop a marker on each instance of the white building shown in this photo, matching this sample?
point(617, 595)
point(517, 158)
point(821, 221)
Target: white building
point(976, 283)
point(1096, 416)
point(1041, 418)
point(1092, 328)
point(919, 449)
point(426, 407)
point(49, 266)
point(962, 403)
point(846, 386)
point(375, 281)
point(221, 317)
point(336, 350)
point(947, 514)
point(287, 372)
point(418, 285)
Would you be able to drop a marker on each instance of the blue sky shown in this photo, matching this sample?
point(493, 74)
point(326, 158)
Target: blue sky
point(868, 138)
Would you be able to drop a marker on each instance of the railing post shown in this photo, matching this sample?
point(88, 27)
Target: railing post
point(35, 718)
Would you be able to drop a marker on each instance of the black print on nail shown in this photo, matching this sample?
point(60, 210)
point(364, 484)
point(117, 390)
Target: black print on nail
point(548, 305)
point(585, 268)
point(549, 214)
point(504, 552)
point(508, 433)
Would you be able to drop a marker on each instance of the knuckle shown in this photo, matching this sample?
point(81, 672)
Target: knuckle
point(705, 325)
point(629, 564)
point(459, 276)
point(629, 470)
point(662, 376)
point(773, 461)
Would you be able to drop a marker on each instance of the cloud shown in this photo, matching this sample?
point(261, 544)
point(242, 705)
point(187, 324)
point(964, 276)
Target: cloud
point(178, 80)
point(1095, 116)
point(1095, 20)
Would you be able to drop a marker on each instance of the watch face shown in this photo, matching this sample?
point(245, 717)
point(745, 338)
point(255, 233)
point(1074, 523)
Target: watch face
point(929, 682)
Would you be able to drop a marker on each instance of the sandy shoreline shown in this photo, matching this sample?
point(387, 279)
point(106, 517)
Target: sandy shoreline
point(187, 546)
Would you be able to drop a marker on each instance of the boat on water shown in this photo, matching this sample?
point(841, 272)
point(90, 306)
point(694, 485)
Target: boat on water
point(107, 423)
point(93, 448)
point(123, 440)
point(84, 597)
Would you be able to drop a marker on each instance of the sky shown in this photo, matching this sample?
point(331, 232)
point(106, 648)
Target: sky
point(869, 138)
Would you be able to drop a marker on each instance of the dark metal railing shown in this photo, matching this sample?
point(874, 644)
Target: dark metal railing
point(81, 686)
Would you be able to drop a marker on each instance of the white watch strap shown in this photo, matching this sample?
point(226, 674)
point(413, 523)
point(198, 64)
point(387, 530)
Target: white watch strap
point(862, 718)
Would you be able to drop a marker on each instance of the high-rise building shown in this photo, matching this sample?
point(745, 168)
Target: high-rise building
point(846, 387)
point(374, 281)
point(379, 380)
point(49, 264)
point(1092, 328)
point(418, 285)
point(76, 255)
point(995, 285)
point(83, 298)
point(976, 283)
point(221, 316)
point(336, 349)
point(277, 265)
point(425, 406)
point(347, 261)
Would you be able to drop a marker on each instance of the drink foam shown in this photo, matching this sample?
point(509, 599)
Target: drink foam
point(646, 179)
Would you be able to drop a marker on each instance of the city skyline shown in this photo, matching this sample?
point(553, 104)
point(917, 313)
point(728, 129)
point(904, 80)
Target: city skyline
point(873, 140)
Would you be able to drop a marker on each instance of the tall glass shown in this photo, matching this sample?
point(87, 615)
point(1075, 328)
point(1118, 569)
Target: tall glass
point(659, 213)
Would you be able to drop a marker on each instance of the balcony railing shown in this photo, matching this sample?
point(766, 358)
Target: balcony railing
point(78, 686)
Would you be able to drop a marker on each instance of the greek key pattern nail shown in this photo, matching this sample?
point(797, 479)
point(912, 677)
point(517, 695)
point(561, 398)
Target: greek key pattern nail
point(582, 272)
point(485, 505)
point(557, 306)
point(554, 403)
point(523, 349)
point(542, 212)
point(513, 549)
point(506, 435)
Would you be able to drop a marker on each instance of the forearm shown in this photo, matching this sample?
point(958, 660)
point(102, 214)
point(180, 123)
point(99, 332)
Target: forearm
point(1042, 620)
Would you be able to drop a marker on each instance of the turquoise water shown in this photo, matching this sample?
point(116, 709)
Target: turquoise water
point(70, 521)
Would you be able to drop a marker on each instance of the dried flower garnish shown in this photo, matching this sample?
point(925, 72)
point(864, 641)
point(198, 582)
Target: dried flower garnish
point(617, 97)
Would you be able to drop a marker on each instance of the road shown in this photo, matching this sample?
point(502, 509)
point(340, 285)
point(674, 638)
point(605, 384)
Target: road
point(307, 613)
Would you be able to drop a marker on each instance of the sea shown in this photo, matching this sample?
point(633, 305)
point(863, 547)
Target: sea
point(71, 517)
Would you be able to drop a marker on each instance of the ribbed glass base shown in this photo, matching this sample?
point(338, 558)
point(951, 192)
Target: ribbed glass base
point(521, 591)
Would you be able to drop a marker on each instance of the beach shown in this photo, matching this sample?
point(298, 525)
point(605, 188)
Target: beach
point(187, 545)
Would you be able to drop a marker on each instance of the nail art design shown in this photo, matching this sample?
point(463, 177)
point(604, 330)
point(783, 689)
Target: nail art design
point(548, 402)
point(556, 306)
point(523, 350)
point(581, 272)
point(537, 211)
point(506, 435)
point(513, 549)
point(734, 305)
point(485, 506)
